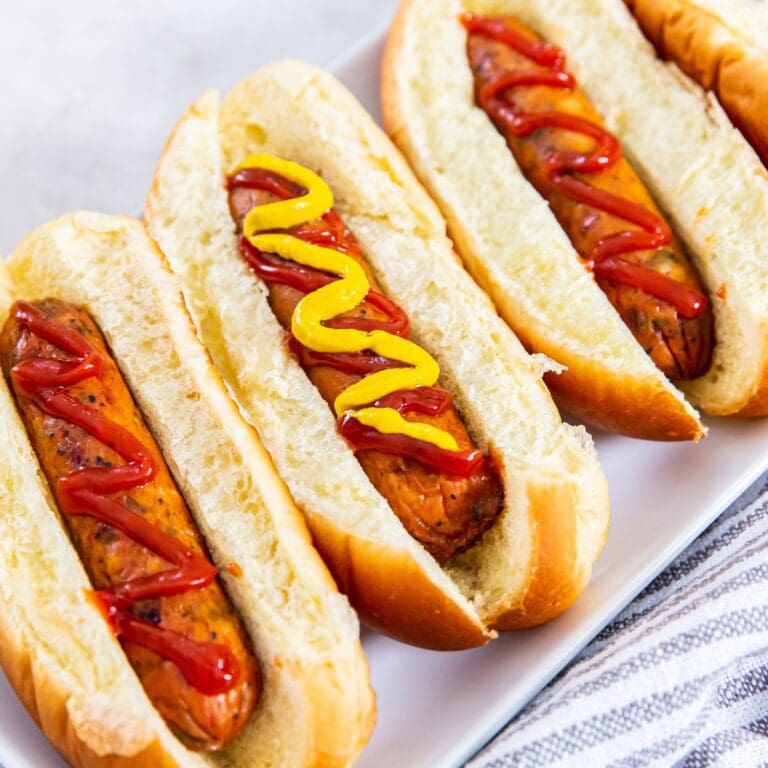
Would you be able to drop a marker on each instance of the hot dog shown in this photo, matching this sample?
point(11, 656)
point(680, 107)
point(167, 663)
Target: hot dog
point(145, 554)
point(721, 45)
point(674, 329)
point(319, 275)
point(447, 513)
point(575, 95)
point(206, 705)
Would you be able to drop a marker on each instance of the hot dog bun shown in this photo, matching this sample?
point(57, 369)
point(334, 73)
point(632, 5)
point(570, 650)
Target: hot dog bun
point(722, 45)
point(536, 559)
point(57, 650)
point(700, 170)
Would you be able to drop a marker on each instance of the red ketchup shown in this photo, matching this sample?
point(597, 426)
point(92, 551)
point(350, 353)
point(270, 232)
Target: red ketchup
point(605, 257)
point(211, 668)
point(425, 400)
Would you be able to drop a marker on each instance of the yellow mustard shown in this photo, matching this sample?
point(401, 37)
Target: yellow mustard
point(336, 298)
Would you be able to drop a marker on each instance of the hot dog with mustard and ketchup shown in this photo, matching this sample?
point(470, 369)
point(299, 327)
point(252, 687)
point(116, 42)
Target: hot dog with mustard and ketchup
point(446, 498)
point(440, 485)
point(564, 104)
point(145, 554)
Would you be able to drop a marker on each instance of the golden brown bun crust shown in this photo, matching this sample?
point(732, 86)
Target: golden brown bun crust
point(552, 587)
point(622, 397)
point(757, 405)
point(636, 407)
point(392, 593)
point(692, 37)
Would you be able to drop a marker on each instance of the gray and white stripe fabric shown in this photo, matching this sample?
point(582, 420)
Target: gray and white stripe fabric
point(679, 679)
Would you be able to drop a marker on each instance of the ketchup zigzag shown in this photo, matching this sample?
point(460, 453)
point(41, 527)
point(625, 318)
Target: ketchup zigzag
point(604, 259)
point(210, 667)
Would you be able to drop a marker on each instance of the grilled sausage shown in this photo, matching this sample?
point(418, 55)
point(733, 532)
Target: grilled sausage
point(110, 557)
point(446, 514)
point(680, 347)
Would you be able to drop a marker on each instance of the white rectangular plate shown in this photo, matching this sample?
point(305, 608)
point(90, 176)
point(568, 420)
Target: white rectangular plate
point(436, 710)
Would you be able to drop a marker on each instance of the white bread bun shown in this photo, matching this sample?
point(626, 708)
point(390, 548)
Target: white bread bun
point(57, 650)
point(723, 45)
point(702, 173)
point(536, 559)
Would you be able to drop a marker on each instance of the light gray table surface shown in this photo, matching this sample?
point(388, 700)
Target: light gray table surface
point(91, 88)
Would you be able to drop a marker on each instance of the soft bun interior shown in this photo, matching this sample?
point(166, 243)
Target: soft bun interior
point(722, 45)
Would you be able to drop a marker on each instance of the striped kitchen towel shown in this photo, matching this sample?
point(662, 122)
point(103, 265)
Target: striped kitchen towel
point(680, 678)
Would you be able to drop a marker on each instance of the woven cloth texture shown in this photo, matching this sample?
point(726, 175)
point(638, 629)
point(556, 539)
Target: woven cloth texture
point(679, 678)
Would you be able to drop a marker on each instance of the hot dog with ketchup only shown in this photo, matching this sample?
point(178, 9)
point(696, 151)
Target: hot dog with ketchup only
point(166, 606)
point(92, 443)
point(608, 237)
point(440, 485)
point(576, 164)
